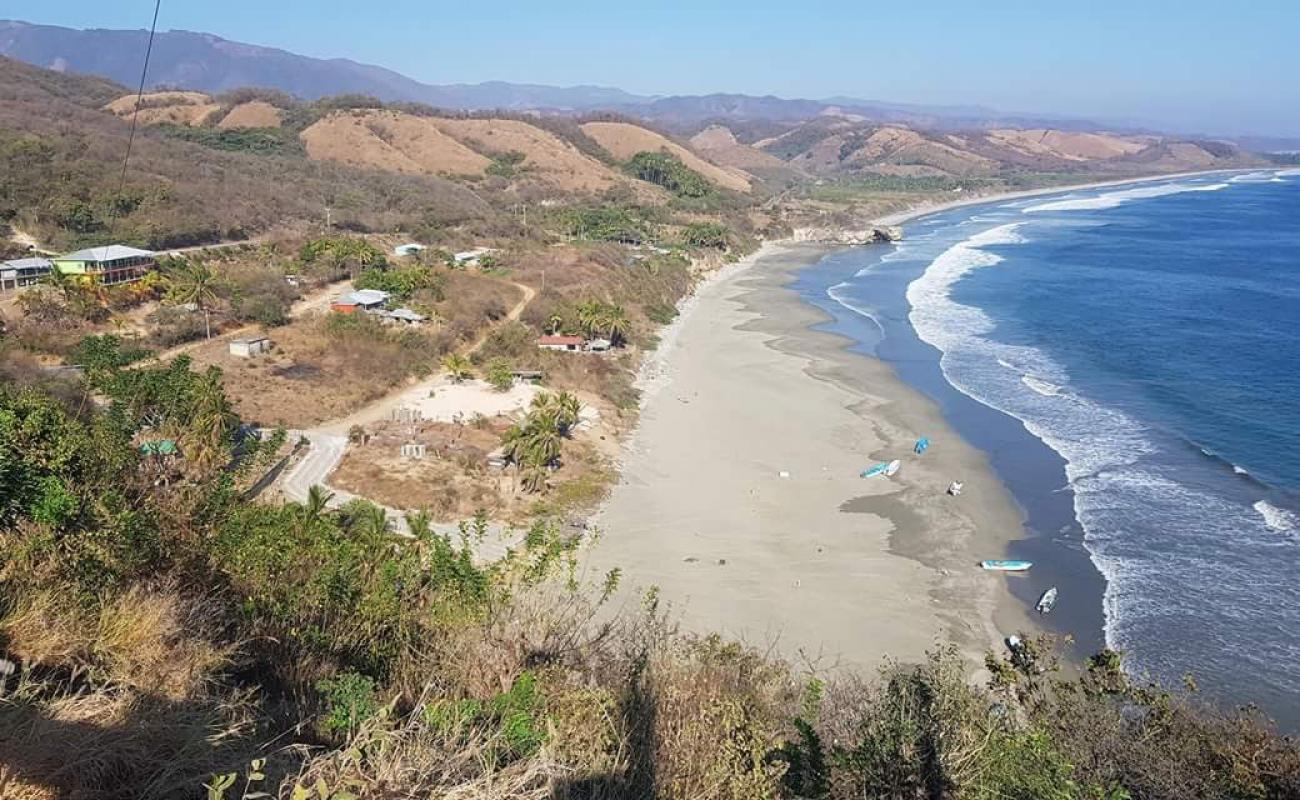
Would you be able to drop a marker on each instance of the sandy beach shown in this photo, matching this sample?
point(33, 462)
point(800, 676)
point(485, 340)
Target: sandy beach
point(740, 496)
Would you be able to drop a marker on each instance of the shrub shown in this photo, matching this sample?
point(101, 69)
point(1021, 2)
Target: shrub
point(499, 374)
point(349, 701)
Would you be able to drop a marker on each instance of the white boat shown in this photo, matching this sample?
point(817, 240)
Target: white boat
point(893, 468)
point(1047, 602)
point(1002, 565)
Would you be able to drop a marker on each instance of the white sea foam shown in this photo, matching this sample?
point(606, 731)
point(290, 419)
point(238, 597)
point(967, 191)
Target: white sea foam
point(1119, 198)
point(1045, 388)
point(1276, 519)
point(1257, 177)
point(1289, 173)
point(837, 294)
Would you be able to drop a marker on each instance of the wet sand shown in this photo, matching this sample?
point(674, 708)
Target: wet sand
point(740, 499)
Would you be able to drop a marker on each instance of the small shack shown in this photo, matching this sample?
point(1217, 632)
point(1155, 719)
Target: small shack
point(360, 300)
point(250, 346)
point(406, 316)
point(569, 343)
point(472, 258)
point(599, 345)
point(411, 249)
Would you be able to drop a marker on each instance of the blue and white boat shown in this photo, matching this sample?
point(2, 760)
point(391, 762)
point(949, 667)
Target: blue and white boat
point(874, 470)
point(1001, 565)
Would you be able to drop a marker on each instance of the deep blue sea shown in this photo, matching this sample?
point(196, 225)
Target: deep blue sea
point(1149, 336)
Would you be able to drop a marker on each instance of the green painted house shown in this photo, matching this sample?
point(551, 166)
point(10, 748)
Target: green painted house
point(114, 263)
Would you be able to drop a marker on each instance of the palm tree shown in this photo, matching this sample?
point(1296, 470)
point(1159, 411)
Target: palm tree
point(589, 316)
point(554, 324)
point(367, 519)
point(615, 322)
point(569, 409)
point(534, 478)
point(458, 367)
point(211, 421)
point(318, 499)
point(544, 440)
point(194, 282)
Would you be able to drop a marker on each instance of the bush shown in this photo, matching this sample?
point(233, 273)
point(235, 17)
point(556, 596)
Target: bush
point(349, 701)
point(499, 374)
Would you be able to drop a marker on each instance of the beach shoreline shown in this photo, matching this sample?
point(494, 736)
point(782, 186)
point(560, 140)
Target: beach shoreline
point(926, 208)
point(912, 542)
point(739, 495)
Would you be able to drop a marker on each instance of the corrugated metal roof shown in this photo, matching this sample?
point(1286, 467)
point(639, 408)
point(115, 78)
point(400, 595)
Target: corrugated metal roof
point(363, 297)
point(406, 314)
point(111, 252)
point(559, 340)
point(29, 263)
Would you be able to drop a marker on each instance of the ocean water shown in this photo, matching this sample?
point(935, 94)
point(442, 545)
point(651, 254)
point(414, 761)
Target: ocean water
point(1130, 358)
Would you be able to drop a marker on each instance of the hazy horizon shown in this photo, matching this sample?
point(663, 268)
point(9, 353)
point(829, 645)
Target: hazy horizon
point(1192, 70)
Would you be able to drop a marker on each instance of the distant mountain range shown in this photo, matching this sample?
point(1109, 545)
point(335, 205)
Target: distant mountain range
point(209, 63)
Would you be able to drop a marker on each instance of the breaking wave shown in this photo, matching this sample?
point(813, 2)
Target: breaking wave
point(1119, 198)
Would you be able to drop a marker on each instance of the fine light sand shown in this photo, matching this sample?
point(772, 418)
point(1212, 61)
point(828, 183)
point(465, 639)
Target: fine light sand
point(822, 565)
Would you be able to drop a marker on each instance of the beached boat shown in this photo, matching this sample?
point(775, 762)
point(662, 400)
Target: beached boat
point(893, 468)
point(1047, 602)
point(874, 470)
point(1001, 565)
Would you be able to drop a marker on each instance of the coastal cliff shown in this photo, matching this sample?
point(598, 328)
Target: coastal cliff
point(874, 234)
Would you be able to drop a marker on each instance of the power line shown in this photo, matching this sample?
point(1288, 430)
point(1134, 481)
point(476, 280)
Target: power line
point(139, 97)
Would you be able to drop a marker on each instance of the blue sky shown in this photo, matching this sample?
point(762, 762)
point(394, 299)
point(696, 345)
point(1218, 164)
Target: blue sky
point(1190, 65)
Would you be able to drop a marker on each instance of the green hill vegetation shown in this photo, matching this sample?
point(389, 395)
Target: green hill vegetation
point(174, 637)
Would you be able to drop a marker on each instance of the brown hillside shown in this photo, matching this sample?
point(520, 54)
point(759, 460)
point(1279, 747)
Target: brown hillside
point(547, 158)
point(391, 141)
point(623, 140)
point(1069, 145)
point(179, 108)
point(719, 145)
point(253, 114)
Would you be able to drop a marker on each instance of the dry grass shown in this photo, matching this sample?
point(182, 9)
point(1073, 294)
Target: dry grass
point(548, 159)
point(312, 376)
point(389, 140)
point(146, 640)
point(453, 482)
point(623, 140)
point(253, 114)
point(179, 108)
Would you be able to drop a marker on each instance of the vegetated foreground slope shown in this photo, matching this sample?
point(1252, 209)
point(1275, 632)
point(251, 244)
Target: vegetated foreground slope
point(61, 158)
point(623, 140)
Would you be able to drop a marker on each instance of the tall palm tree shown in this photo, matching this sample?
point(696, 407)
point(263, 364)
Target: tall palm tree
point(589, 316)
point(194, 282)
point(554, 324)
point(544, 440)
point(211, 421)
point(568, 410)
point(614, 321)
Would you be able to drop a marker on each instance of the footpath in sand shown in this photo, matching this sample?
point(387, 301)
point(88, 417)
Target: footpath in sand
point(740, 496)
